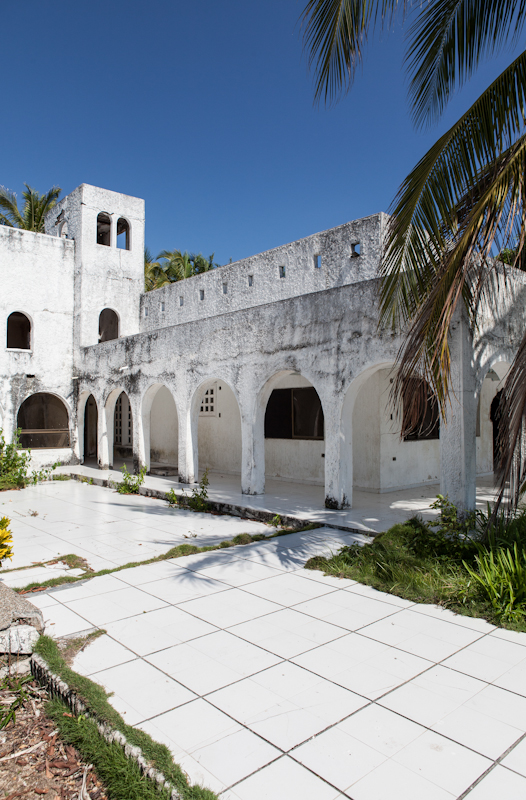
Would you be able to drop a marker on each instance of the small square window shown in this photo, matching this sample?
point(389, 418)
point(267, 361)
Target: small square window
point(201, 294)
point(317, 261)
point(145, 312)
point(282, 272)
point(355, 250)
point(225, 288)
point(181, 301)
point(162, 306)
point(208, 403)
point(250, 280)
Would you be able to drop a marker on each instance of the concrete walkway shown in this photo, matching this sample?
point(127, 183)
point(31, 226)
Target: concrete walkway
point(370, 511)
point(271, 682)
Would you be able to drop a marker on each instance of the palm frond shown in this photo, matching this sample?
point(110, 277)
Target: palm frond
point(334, 35)
point(9, 205)
point(448, 41)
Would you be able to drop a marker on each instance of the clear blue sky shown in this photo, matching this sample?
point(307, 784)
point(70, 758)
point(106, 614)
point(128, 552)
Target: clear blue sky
point(204, 109)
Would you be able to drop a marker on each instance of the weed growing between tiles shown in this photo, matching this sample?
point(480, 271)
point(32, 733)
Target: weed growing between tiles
point(174, 552)
point(122, 776)
point(474, 566)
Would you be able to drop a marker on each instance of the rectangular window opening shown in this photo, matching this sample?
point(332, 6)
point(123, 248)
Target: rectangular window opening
point(145, 312)
point(208, 403)
point(162, 306)
point(355, 250)
point(181, 301)
point(250, 280)
point(317, 261)
point(282, 272)
point(225, 288)
point(201, 294)
point(294, 414)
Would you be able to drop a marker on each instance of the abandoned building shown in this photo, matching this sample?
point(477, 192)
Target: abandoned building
point(269, 367)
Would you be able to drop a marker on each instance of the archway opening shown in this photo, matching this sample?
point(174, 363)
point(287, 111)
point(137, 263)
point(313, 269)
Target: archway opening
point(383, 461)
point(164, 434)
point(294, 431)
point(44, 422)
point(218, 430)
point(103, 229)
point(487, 418)
point(18, 331)
point(108, 325)
point(91, 419)
point(122, 433)
point(123, 234)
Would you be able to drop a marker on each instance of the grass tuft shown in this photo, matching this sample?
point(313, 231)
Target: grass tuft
point(92, 746)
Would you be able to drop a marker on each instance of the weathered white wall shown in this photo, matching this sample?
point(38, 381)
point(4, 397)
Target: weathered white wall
point(37, 279)
point(366, 435)
point(338, 267)
point(219, 437)
point(164, 428)
point(105, 277)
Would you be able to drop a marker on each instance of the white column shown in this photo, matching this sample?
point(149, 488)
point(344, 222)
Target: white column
point(458, 453)
point(338, 457)
point(105, 435)
point(253, 455)
point(187, 453)
point(141, 436)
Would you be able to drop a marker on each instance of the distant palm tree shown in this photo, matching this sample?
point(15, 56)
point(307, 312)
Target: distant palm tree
point(178, 265)
point(36, 206)
point(155, 276)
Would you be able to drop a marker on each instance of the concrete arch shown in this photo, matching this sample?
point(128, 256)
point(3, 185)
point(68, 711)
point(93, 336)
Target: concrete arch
point(491, 380)
point(254, 460)
point(19, 337)
point(107, 431)
point(147, 405)
point(225, 434)
point(34, 445)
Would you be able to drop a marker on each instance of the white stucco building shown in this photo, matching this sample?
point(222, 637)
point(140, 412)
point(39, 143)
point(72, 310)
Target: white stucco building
point(271, 366)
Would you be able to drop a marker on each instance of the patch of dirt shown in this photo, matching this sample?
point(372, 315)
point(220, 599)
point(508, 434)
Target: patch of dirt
point(34, 763)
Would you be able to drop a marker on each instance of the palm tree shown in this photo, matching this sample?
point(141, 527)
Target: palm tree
point(154, 275)
point(36, 206)
point(465, 199)
point(178, 265)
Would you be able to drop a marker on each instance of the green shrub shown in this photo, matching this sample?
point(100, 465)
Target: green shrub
point(6, 540)
point(130, 483)
point(198, 500)
point(499, 575)
point(14, 462)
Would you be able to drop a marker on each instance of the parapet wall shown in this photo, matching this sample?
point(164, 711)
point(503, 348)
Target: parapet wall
point(347, 254)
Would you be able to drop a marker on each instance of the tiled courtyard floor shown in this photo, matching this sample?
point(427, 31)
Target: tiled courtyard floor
point(271, 682)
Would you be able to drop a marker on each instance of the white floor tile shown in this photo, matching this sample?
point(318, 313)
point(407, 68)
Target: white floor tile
point(283, 780)
point(381, 729)
point(213, 661)
point(347, 609)
point(286, 705)
point(499, 783)
point(123, 603)
point(192, 726)
point(421, 635)
point(516, 760)
point(502, 705)
point(288, 589)
point(392, 781)
point(287, 633)
point(140, 691)
point(442, 762)
point(251, 754)
point(158, 630)
point(433, 695)
point(230, 607)
point(184, 585)
point(101, 654)
point(61, 621)
point(338, 758)
point(363, 665)
point(239, 573)
point(136, 576)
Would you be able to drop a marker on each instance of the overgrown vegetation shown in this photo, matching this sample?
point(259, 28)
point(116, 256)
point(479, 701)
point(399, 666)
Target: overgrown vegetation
point(14, 686)
point(130, 484)
point(474, 565)
point(197, 501)
point(6, 539)
point(14, 463)
point(121, 776)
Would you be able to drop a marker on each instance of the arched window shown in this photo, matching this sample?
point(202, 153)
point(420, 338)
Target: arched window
point(104, 229)
point(44, 421)
point(108, 325)
point(18, 331)
point(123, 234)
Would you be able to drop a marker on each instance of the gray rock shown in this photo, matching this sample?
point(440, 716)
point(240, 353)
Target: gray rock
point(14, 608)
point(18, 639)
